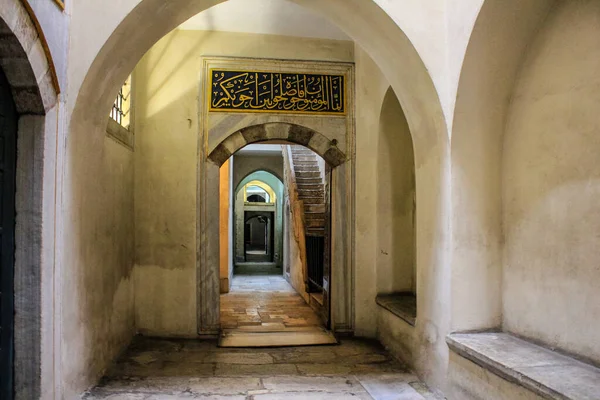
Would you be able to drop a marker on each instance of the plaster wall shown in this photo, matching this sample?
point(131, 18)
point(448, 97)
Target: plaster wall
point(495, 53)
point(427, 353)
point(551, 184)
point(371, 87)
point(397, 335)
point(166, 155)
point(97, 301)
point(396, 245)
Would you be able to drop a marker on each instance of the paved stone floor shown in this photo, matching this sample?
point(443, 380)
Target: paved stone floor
point(154, 369)
point(267, 301)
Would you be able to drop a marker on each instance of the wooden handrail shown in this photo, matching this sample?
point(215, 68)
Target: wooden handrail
point(296, 207)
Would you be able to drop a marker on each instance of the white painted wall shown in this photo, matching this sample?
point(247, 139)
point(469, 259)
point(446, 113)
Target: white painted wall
point(267, 17)
point(551, 178)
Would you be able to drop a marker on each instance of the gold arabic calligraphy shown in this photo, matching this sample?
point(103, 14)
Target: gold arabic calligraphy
point(283, 92)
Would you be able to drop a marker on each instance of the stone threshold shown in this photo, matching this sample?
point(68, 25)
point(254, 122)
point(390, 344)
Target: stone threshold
point(545, 372)
point(403, 305)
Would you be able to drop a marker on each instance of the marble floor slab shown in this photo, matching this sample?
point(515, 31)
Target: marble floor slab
point(193, 369)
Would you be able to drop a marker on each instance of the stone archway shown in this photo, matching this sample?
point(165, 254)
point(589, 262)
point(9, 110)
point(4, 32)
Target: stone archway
point(208, 222)
point(116, 35)
point(292, 133)
point(34, 88)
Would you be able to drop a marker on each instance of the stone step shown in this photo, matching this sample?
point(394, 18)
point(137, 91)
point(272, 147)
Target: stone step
point(308, 174)
point(301, 149)
point(312, 167)
point(314, 223)
point(305, 158)
point(317, 182)
point(315, 231)
point(312, 200)
point(301, 170)
point(314, 208)
point(311, 193)
point(305, 180)
point(310, 186)
point(314, 215)
point(306, 162)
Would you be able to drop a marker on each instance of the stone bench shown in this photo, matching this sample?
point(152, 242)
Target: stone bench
point(403, 305)
point(545, 374)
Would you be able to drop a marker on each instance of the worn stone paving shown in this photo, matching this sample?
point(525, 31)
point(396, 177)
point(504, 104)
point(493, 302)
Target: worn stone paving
point(167, 369)
point(267, 301)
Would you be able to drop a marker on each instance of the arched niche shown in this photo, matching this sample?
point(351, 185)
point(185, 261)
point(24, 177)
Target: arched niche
point(396, 205)
point(496, 50)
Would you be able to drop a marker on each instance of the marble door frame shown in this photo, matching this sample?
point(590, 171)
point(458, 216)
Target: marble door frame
point(222, 134)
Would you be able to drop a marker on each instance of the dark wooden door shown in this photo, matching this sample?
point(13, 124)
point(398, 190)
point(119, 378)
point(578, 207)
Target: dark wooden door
point(8, 152)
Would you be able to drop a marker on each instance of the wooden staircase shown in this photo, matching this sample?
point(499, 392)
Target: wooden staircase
point(310, 190)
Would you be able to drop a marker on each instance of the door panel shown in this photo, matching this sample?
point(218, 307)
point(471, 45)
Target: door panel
point(8, 151)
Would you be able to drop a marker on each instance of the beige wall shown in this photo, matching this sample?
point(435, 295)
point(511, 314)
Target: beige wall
point(371, 87)
point(494, 54)
point(166, 164)
point(551, 174)
point(396, 258)
point(97, 301)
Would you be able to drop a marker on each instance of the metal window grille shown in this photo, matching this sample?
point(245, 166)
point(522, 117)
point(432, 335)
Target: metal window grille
point(122, 105)
point(117, 112)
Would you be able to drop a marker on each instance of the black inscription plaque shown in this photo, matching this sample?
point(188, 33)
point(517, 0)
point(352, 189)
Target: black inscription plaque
point(250, 91)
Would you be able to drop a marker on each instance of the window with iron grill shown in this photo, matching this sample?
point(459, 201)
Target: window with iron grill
point(122, 105)
point(117, 109)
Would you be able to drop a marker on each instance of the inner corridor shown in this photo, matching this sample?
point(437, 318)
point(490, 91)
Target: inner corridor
point(265, 302)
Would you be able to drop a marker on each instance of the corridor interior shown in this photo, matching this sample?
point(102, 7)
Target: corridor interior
point(270, 295)
point(273, 342)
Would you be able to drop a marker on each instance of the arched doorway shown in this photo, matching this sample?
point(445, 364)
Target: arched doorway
point(336, 247)
point(8, 153)
point(273, 289)
point(28, 97)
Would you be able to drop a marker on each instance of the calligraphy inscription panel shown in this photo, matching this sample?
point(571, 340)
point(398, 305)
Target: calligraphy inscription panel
point(251, 91)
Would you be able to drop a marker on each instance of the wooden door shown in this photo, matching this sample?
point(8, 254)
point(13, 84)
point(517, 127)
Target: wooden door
point(8, 152)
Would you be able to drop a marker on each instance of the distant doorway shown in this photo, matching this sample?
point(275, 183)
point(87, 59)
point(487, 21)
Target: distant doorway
point(259, 236)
